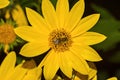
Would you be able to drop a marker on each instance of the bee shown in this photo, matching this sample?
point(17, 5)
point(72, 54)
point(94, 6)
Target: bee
point(60, 41)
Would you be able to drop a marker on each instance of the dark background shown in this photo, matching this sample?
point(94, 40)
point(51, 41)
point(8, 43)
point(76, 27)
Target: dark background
point(111, 5)
point(106, 68)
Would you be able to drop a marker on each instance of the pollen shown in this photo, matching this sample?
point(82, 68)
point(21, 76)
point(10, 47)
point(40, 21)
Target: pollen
point(60, 40)
point(7, 34)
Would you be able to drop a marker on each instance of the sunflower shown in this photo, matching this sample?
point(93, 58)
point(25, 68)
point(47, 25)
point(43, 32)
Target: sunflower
point(8, 70)
point(64, 34)
point(4, 3)
point(8, 38)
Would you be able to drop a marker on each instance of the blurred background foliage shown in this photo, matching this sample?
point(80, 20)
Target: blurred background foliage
point(109, 25)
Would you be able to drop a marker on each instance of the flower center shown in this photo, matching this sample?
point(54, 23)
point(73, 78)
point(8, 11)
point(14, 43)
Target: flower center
point(7, 34)
point(60, 40)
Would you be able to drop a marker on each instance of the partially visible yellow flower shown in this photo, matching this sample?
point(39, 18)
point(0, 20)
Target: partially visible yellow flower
point(8, 70)
point(4, 3)
point(8, 38)
point(92, 72)
point(92, 75)
point(18, 16)
point(26, 71)
point(34, 72)
point(64, 33)
point(112, 78)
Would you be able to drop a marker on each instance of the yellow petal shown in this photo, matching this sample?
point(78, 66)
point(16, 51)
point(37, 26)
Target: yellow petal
point(33, 74)
point(34, 49)
point(19, 73)
point(85, 24)
point(89, 38)
point(113, 78)
point(4, 3)
point(7, 14)
point(62, 10)
point(79, 76)
point(78, 63)
point(7, 65)
point(49, 14)
point(30, 77)
point(95, 78)
point(45, 60)
point(19, 16)
point(74, 15)
point(93, 70)
point(51, 68)
point(38, 72)
point(30, 34)
point(65, 64)
point(36, 20)
point(86, 52)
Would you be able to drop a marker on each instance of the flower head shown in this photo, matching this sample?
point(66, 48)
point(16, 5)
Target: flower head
point(7, 34)
point(8, 70)
point(64, 33)
point(8, 38)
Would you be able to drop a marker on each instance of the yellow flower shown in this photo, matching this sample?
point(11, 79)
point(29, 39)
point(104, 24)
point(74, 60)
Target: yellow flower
point(92, 75)
point(64, 33)
point(8, 38)
point(8, 70)
point(34, 72)
point(26, 71)
point(4, 3)
point(19, 16)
